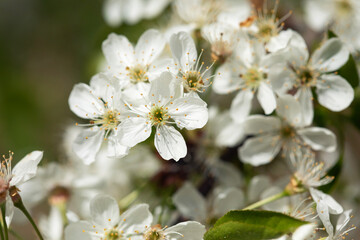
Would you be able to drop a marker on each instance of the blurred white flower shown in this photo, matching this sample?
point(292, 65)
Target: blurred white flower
point(299, 73)
point(285, 132)
point(247, 73)
point(342, 229)
point(116, 12)
point(163, 107)
point(100, 104)
point(12, 178)
point(191, 204)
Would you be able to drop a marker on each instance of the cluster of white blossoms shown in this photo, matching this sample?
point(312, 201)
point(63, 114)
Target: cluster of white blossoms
point(230, 93)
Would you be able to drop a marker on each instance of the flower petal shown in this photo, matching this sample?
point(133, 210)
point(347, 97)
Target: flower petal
point(9, 212)
point(165, 88)
point(304, 232)
point(334, 206)
point(112, 12)
point(133, 131)
point(241, 105)
point(228, 199)
point(305, 97)
point(118, 51)
point(183, 49)
point(266, 98)
point(225, 82)
point(258, 124)
point(26, 168)
point(334, 93)
point(79, 230)
point(88, 143)
point(137, 218)
point(115, 148)
point(189, 230)
point(189, 112)
point(84, 103)
point(260, 150)
point(149, 46)
point(170, 143)
point(282, 80)
point(319, 139)
point(330, 56)
point(289, 109)
point(190, 202)
point(104, 211)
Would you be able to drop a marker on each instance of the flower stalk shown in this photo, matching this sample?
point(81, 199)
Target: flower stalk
point(267, 200)
point(3, 214)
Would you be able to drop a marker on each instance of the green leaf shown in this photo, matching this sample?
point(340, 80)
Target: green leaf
point(252, 225)
point(349, 70)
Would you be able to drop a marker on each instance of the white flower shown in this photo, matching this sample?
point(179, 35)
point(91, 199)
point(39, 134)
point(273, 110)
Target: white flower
point(202, 12)
point(136, 66)
point(247, 73)
point(195, 77)
point(222, 37)
point(307, 171)
point(191, 204)
point(299, 73)
point(100, 104)
point(107, 223)
point(325, 205)
point(273, 134)
point(163, 107)
point(135, 223)
point(131, 11)
point(11, 178)
point(337, 12)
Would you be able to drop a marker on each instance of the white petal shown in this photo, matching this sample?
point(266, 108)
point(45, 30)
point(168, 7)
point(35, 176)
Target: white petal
point(230, 134)
point(133, 131)
point(189, 230)
point(189, 112)
point(281, 79)
point(115, 148)
point(335, 93)
point(190, 202)
point(118, 50)
point(228, 199)
point(104, 86)
point(241, 105)
point(289, 109)
point(280, 205)
point(266, 98)
point(324, 215)
point(170, 143)
point(137, 218)
point(304, 96)
point(88, 143)
point(260, 150)
point(225, 82)
point(257, 186)
point(343, 220)
point(258, 124)
point(330, 56)
point(319, 139)
point(165, 88)
point(9, 212)
point(26, 168)
point(84, 103)
point(149, 46)
point(280, 41)
point(334, 207)
point(315, 10)
point(304, 232)
point(159, 66)
point(226, 174)
point(183, 49)
point(104, 211)
point(74, 231)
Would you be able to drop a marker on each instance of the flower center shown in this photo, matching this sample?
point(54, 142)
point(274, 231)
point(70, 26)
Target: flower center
point(112, 235)
point(193, 81)
point(109, 120)
point(158, 115)
point(154, 233)
point(267, 29)
point(221, 50)
point(344, 7)
point(253, 77)
point(287, 132)
point(59, 195)
point(306, 76)
point(137, 74)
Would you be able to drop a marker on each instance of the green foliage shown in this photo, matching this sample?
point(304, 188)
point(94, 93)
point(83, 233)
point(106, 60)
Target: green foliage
point(252, 225)
point(349, 70)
